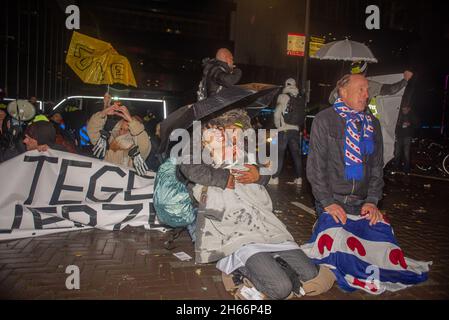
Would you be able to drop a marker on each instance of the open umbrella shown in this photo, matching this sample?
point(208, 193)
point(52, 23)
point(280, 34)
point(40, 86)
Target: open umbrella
point(346, 50)
point(97, 62)
point(228, 98)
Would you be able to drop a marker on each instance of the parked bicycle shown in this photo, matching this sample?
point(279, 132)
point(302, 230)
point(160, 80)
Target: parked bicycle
point(430, 157)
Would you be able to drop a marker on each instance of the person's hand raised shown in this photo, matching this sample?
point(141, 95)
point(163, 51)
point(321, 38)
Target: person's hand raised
point(408, 75)
point(109, 111)
point(123, 112)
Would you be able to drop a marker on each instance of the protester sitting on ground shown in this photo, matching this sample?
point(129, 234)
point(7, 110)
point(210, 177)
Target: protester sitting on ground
point(345, 161)
point(128, 138)
point(345, 170)
point(236, 225)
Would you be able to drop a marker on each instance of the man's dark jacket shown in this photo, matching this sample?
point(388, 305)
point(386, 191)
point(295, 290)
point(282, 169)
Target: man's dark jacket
point(410, 130)
point(218, 74)
point(326, 166)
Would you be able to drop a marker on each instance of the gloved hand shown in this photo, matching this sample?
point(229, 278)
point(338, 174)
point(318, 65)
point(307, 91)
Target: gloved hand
point(101, 146)
point(138, 162)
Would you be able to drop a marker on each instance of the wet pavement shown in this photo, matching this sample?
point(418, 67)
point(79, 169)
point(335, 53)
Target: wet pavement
point(133, 263)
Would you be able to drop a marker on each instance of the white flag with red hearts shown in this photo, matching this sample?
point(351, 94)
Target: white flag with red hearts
point(363, 256)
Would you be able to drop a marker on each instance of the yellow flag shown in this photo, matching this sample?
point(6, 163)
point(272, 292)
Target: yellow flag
point(97, 62)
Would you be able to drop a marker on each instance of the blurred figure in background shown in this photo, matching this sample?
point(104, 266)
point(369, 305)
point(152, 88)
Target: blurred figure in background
point(405, 129)
point(289, 119)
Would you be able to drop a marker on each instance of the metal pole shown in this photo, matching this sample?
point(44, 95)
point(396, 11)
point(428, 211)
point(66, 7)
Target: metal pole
point(443, 118)
point(61, 52)
point(6, 45)
point(28, 49)
point(306, 53)
point(44, 52)
point(56, 63)
point(50, 64)
point(37, 49)
point(18, 51)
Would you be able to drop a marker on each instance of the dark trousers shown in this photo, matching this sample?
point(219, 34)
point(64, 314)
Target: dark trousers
point(292, 140)
point(402, 153)
point(268, 277)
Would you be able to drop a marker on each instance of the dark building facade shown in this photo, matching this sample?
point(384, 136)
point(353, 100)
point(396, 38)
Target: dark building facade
point(412, 35)
point(164, 41)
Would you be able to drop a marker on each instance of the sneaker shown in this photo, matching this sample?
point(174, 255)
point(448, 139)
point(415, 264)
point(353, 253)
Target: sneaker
point(247, 291)
point(298, 181)
point(274, 181)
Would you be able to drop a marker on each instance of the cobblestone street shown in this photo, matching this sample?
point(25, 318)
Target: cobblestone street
point(133, 263)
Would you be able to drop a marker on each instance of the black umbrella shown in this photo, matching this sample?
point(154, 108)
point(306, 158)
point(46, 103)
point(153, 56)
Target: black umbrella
point(242, 96)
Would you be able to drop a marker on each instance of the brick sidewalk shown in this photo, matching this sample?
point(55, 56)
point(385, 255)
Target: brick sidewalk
point(133, 264)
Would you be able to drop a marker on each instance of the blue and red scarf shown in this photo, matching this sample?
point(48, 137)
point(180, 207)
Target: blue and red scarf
point(357, 143)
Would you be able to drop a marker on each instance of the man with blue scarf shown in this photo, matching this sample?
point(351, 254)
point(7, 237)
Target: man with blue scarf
point(345, 162)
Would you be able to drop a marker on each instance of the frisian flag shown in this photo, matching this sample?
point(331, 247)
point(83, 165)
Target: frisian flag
point(363, 256)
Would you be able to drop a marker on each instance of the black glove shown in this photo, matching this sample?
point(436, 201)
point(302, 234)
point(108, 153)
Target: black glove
point(138, 163)
point(102, 145)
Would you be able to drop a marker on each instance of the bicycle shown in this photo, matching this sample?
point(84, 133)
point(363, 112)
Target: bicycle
point(431, 157)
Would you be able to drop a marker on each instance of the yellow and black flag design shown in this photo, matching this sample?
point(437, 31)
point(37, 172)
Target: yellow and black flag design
point(97, 62)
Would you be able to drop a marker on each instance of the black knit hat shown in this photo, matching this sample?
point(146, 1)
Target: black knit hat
point(42, 131)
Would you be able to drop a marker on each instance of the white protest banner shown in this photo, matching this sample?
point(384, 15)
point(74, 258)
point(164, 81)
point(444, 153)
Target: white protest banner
point(388, 110)
point(54, 191)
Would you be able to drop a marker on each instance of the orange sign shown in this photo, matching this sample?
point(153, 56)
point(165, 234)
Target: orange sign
point(296, 43)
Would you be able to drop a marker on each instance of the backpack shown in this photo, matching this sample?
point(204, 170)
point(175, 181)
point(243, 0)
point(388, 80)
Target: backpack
point(171, 198)
point(209, 71)
point(294, 113)
point(201, 94)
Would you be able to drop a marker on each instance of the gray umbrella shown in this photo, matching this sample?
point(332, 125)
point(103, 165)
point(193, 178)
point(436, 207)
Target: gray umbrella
point(346, 50)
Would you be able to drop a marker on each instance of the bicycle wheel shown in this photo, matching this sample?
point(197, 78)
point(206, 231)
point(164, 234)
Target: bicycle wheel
point(423, 161)
point(446, 164)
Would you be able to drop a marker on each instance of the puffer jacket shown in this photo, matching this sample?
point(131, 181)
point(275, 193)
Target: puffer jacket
point(326, 165)
point(218, 74)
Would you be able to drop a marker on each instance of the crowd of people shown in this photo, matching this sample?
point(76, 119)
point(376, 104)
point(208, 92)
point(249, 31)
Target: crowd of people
point(235, 225)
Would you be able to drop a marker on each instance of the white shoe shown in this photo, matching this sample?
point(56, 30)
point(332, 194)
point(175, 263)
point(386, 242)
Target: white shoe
point(274, 181)
point(298, 181)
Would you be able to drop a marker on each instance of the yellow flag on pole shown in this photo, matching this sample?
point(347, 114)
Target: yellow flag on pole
point(97, 62)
